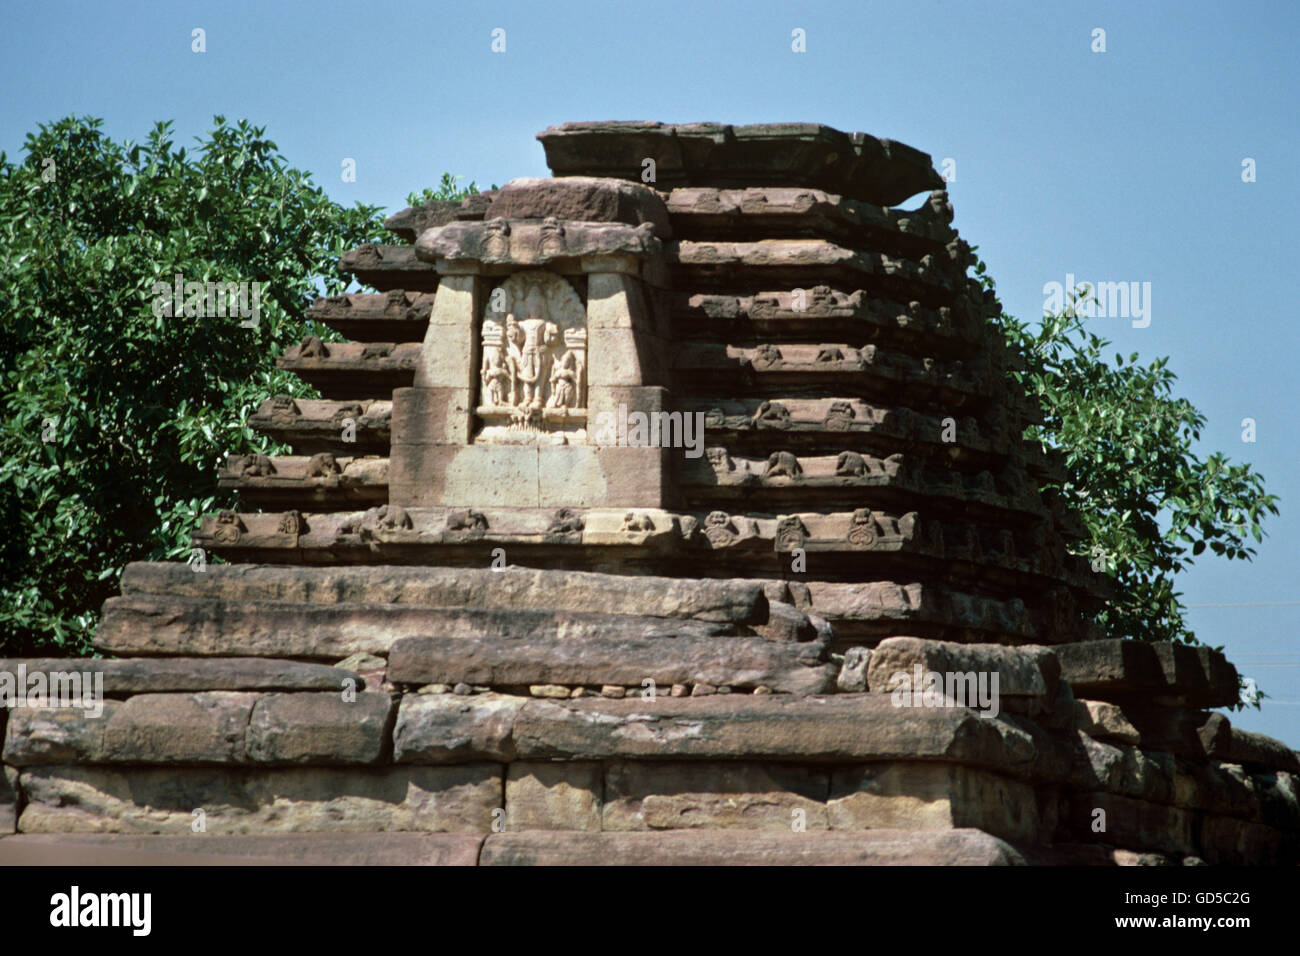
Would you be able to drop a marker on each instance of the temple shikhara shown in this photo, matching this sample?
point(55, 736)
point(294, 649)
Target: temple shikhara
point(673, 509)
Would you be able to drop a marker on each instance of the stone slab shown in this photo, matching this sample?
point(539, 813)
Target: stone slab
point(1123, 769)
point(769, 154)
point(262, 849)
point(621, 657)
point(581, 198)
point(919, 796)
point(320, 728)
point(156, 625)
point(449, 728)
point(171, 675)
point(654, 795)
point(746, 848)
point(1258, 750)
point(1115, 669)
point(553, 796)
point(234, 800)
point(1131, 824)
point(1022, 671)
point(209, 727)
point(847, 727)
point(512, 588)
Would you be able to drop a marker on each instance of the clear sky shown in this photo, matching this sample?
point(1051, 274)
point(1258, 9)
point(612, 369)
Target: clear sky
point(1117, 166)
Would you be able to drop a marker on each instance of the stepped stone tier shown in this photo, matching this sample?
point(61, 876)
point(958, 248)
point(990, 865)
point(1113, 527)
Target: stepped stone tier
point(631, 499)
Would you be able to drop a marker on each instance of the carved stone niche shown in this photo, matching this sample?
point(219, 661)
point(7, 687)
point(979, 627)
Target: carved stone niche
point(533, 368)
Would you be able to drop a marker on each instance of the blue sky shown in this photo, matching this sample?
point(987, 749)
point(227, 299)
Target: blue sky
point(1115, 166)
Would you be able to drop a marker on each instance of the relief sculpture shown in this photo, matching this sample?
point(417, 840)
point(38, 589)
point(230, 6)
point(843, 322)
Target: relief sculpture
point(532, 377)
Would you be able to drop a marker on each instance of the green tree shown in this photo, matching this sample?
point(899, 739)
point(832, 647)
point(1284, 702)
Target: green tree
point(115, 417)
point(447, 191)
point(1149, 501)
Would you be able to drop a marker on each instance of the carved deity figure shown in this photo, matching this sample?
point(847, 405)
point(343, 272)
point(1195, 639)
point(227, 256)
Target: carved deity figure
point(532, 338)
point(496, 374)
point(566, 376)
point(534, 350)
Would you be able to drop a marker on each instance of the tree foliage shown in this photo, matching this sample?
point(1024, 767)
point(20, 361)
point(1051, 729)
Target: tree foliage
point(1150, 502)
point(114, 418)
point(448, 191)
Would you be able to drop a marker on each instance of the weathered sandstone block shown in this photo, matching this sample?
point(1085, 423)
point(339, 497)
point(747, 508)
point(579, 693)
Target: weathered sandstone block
point(621, 657)
point(513, 588)
point(715, 154)
point(320, 728)
point(1114, 669)
point(148, 624)
point(1257, 750)
point(919, 796)
point(449, 728)
point(37, 735)
point(553, 796)
point(1022, 671)
point(581, 198)
point(650, 795)
point(1121, 769)
point(210, 727)
point(262, 849)
point(1129, 823)
point(207, 727)
point(729, 848)
point(839, 727)
point(1105, 721)
point(1224, 840)
point(163, 800)
point(852, 678)
point(163, 675)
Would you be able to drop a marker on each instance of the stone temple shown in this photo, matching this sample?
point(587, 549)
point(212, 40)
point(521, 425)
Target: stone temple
point(670, 510)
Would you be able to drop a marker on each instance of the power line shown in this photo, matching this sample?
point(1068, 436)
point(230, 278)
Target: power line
point(1251, 604)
